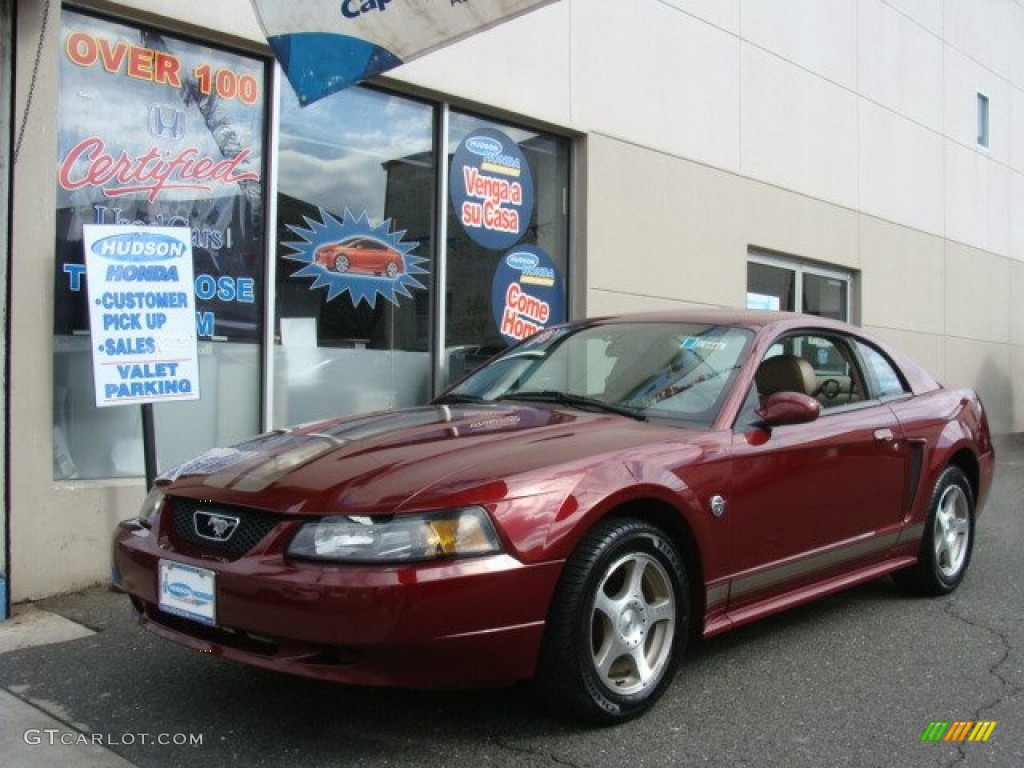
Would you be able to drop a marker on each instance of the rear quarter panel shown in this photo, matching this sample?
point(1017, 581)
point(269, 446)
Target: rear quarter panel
point(947, 426)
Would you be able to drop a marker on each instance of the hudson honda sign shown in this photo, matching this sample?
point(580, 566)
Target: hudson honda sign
point(142, 314)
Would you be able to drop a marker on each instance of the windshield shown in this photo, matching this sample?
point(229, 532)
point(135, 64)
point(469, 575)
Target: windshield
point(657, 369)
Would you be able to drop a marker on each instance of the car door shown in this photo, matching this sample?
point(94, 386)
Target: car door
point(812, 500)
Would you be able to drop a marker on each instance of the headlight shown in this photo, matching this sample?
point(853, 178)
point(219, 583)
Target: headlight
point(144, 521)
point(151, 507)
point(398, 538)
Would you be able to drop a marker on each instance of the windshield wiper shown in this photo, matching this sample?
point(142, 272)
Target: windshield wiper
point(573, 401)
point(454, 397)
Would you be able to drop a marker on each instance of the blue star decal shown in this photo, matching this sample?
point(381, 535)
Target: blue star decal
point(324, 249)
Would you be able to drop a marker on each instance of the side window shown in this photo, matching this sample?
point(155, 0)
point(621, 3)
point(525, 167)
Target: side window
point(820, 366)
point(882, 375)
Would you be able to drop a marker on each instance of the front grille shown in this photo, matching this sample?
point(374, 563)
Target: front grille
point(252, 526)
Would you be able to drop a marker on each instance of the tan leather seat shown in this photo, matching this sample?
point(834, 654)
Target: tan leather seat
point(785, 373)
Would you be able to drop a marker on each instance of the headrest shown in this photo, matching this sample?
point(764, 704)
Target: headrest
point(785, 373)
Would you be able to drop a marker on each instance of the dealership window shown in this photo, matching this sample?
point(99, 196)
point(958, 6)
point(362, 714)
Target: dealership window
point(394, 267)
point(790, 285)
point(355, 255)
point(158, 130)
point(359, 313)
point(502, 282)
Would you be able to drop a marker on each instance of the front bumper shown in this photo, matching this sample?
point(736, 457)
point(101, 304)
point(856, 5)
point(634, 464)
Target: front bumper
point(460, 623)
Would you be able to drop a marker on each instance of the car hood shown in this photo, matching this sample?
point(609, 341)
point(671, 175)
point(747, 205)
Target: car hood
point(423, 457)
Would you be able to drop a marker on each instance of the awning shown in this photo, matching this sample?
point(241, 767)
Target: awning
point(327, 45)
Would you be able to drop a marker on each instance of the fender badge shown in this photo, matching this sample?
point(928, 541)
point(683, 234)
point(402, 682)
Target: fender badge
point(717, 505)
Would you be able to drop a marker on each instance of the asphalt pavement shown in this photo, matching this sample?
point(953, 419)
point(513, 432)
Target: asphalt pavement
point(852, 680)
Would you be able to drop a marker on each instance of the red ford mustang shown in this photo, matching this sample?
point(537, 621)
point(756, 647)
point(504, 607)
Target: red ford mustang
point(361, 254)
point(571, 511)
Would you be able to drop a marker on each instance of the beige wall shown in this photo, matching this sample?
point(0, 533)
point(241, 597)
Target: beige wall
point(33, 223)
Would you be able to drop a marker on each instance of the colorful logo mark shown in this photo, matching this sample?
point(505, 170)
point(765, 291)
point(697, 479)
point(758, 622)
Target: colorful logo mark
point(959, 730)
point(526, 293)
point(356, 257)
point(491, 189)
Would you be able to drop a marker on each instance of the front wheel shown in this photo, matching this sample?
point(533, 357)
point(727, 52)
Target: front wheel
point(948, 538)
point(617, 625)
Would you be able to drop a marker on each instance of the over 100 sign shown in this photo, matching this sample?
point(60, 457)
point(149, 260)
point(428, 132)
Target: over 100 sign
point(141, 313)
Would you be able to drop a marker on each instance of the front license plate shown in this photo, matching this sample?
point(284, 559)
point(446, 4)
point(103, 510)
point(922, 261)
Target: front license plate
point(187, 591)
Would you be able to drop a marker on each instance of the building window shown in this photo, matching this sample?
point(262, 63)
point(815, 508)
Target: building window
point(158, 130)
point(355, 255)
point(780, 284)
point(983, 120)
point(409, 241)
point(503, 283)
point(380, 300)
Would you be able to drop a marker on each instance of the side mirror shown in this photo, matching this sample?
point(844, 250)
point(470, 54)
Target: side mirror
point(785, 408)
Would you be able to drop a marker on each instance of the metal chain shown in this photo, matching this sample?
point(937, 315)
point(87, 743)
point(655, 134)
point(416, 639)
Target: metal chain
point(32, 82)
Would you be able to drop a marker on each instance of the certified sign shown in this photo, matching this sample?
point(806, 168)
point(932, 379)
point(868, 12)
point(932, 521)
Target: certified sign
point(142, 314)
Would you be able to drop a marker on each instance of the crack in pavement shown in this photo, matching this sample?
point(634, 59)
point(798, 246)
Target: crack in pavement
point(1008, 688)
point(530, 751)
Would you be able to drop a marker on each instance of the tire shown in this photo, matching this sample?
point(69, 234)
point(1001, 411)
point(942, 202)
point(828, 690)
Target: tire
point(341, 263)
point(618, 624)
point(948, 538)
point(392, 270)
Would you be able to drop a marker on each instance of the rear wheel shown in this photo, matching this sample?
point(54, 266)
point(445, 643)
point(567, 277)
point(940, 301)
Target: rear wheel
point(948, 538)
point(617, 625)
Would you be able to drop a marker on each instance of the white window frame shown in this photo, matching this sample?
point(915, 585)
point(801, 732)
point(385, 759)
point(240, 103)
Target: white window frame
point(984, 120)
point(802, 268)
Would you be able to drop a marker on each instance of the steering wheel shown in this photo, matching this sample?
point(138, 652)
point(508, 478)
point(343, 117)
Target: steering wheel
point(830, 388)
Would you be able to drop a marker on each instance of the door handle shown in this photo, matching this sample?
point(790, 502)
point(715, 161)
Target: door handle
point(884, 435)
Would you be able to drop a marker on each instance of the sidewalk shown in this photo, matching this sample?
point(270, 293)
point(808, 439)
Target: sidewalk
point(34, 734)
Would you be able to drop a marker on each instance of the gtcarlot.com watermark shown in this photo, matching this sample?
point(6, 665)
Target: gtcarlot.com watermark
point(55, 736)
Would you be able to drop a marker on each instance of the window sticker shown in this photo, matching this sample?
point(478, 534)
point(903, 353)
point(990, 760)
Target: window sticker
point(692, 342)
point(491, 189)
point(527, 294)
point(356, 257)
point(142, 313)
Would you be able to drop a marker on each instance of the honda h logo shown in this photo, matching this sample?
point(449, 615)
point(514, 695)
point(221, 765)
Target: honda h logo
point(215, 526)
point(166, 122)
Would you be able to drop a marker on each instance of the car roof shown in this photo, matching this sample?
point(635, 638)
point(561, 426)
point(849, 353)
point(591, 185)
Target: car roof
point(753, 319)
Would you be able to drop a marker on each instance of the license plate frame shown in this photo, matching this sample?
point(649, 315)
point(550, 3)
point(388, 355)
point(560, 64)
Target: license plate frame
point(188, 591)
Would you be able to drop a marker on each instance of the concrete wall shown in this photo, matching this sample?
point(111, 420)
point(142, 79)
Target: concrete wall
point(840, 131)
